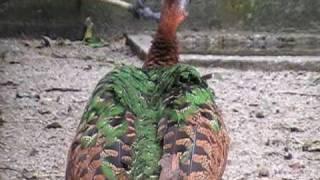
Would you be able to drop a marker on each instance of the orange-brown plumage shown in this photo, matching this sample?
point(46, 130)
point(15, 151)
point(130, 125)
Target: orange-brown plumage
point(164, 49)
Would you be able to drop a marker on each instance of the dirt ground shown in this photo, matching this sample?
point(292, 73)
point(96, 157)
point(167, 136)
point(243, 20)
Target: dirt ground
point(273, 117)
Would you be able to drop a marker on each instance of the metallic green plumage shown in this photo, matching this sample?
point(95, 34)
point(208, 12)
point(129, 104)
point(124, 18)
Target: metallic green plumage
point(159, 122)
point(174, 93)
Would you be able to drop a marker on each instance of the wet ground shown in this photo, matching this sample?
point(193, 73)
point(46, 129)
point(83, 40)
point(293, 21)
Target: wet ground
point(273, 117)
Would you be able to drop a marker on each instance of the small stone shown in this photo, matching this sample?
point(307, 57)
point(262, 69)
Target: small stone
point(268, 142)
point(259, 115)
point(253, 105)
point(58, 56)
point(87, 57)
point(296, 165)
point(288, 156)
point(43, 111)
point(313, 146)
point(274, 142)
point(54, 125)
point(58, 99)
point(63, 42)
point(286, 178)
point(28, 175)
point(87, 68)
point(272, 153)
point(295, 129)
point(69, 109)
point(263, 172)
point(2, 121)
point(33, 152)
point(20, 95)
point(235, 110)
point(45, 42)
point(26, 43)
point(67, 42)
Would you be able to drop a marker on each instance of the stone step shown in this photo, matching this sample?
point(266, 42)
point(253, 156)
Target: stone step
point(141, 43)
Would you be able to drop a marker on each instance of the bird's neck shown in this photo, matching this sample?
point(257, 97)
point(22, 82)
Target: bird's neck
point(164, 49)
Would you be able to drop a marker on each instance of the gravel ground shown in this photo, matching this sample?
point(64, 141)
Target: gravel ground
point(273, 117)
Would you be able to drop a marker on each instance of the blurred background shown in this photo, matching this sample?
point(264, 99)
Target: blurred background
point(53, 17)
point(262, 26)
point(264, 56)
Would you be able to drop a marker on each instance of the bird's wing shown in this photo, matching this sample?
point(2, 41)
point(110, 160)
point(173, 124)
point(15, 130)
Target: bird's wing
point(103, 146)
point(192, 131)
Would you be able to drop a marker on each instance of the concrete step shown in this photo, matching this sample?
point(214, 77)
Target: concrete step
point(140, 44)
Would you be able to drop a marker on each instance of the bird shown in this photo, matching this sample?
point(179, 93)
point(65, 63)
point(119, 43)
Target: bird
point(160, 121)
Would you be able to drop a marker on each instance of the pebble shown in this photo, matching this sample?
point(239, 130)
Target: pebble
point(263, 172)
point(259, 115)
point(288, 156)
point(54, 125)
point(296, 165)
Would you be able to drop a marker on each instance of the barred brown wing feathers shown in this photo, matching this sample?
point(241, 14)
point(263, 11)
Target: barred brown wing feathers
point(117, 108)
point(86, 162)
point(120, 153)
point(83, 163)
point(195, 150)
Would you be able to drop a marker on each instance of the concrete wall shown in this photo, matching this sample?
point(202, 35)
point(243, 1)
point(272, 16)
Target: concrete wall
point(231, 15)
point(40, 17)
point(64, 18)
point(268, 15)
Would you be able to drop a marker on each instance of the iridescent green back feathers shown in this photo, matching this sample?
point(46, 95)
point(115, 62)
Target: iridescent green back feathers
point(124, 111)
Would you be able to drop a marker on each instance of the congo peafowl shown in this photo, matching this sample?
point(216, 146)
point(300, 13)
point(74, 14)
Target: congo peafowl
point(155, 122)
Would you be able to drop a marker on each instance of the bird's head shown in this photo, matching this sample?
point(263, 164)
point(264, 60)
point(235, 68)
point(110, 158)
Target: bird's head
point(173, 13)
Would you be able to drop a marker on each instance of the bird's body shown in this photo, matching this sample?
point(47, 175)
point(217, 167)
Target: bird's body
point(155, 122)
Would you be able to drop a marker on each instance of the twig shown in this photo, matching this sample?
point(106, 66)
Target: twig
point(317, 81)
point(62, 90)
point(2, 145)
point(8, 83)
point(59, 56)
point(10, 169)
point(206, 77)
point(119, 3)
point(300, 94)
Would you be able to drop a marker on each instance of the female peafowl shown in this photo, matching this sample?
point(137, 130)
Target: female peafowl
point(156, 122)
